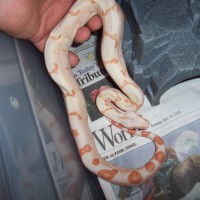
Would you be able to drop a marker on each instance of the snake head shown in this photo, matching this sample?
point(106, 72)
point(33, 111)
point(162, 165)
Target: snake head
point(133, 120)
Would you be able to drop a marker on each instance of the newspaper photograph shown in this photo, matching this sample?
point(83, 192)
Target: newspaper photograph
point(176, 119)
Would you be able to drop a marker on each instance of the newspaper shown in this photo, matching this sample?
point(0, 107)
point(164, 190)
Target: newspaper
point(176, 120)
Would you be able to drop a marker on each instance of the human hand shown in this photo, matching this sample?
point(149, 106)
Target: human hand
point(34, 19)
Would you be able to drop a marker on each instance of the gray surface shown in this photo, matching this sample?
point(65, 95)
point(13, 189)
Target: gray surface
point(161, 43)
point(26, 168)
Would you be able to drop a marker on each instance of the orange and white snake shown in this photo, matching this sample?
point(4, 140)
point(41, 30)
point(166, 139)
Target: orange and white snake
point(119, 107)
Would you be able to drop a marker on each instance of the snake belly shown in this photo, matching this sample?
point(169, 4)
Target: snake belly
point(59, 68)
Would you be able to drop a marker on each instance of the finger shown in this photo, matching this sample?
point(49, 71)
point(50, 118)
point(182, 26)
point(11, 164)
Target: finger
point(82, 35)
point(73, 58)
point(94, 23)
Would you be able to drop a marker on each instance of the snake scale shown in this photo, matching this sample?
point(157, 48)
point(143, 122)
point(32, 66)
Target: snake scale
point(119, 107)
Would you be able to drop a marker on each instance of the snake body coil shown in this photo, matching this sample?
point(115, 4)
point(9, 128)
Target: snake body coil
point(119, 107)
